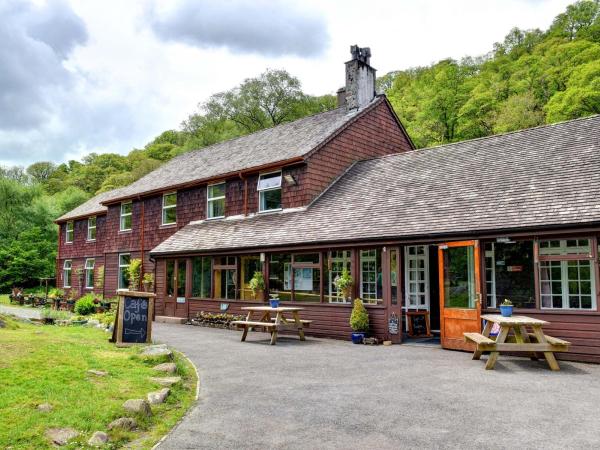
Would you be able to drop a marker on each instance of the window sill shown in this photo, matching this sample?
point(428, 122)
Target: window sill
point(125, 231)
point(90, 240)
point(68, 242)
point(215, 218)
point(168, 225)
point(270, 211)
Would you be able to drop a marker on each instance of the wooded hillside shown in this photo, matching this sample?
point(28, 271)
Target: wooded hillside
point(531, 78)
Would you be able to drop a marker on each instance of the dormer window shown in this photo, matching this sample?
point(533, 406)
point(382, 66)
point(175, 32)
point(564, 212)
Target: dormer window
point(91, 232)
point(169, 208)
point(215, 197)
point(69, 232)
point(269, 192)
point(125, 224)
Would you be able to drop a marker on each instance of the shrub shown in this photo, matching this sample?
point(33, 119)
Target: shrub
point(56, 315)
point(56, 293)
point(134, 273)
point(85, 305)
point(99, 278)
point(257, 283)
point(359, 319)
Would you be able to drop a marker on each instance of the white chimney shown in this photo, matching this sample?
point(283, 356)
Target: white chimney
point(360, 79)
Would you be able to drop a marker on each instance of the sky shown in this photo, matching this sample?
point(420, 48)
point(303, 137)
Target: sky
point(81, 76)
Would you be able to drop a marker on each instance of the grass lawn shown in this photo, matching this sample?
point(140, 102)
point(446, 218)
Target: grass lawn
point(4, 300)
point(48, 364)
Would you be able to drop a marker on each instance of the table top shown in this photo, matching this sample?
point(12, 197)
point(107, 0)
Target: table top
point(513, 320)
point(268, 308)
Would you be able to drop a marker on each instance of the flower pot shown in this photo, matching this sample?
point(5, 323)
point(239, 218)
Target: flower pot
point(506, 310)
point(357, 337)
point(274, 303)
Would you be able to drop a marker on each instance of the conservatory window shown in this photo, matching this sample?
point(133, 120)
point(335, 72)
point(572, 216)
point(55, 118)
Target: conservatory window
point(371, 276)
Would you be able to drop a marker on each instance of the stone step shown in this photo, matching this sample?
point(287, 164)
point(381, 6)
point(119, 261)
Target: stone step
point(170, 319)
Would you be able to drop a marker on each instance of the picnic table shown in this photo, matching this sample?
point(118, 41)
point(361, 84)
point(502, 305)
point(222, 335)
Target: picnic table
point(521, 341)
point(280, 322)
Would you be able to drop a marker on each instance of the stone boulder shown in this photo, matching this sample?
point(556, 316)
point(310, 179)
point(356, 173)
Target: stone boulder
point(61, 436)
point(124, 423)
point(98, 373)
point(166, 381)
point(155, 398)
point(98, 439)
point(166, 367)
point(157, 351)
point(45, 407)
point(138, 406)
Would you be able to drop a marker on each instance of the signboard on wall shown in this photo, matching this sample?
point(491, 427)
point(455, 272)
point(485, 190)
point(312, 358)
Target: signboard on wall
point(133, 322)
point(393, 324)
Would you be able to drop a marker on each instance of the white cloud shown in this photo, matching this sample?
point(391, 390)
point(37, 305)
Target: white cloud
point(94, 75)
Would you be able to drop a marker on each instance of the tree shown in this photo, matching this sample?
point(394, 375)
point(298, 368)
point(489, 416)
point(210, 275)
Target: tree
point(41, 171)
point(576, 20)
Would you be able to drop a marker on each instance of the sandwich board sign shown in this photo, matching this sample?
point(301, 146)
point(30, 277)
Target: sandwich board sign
point(133, 322)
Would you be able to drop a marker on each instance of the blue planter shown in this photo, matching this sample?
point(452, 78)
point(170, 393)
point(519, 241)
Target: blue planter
point(357, 338)
point(274, 303)
point(506, 311)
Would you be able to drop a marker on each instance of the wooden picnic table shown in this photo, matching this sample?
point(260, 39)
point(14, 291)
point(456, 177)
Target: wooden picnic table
point(521, 341)
point(280, 322)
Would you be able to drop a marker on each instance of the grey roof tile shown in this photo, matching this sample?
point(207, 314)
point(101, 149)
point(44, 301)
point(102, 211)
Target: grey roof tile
point(92, 206)
point(547, 176)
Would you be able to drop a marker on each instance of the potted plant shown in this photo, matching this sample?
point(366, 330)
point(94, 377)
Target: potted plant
point(148, 281)
point(274, 300)
point(257, 284)
point(343, 283)
point(506, 308)
point(359, 321)
point(134, 272)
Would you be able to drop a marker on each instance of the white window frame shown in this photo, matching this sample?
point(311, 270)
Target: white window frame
point(89, 267)
point(69, 263)
point(407, 281)
point(90, 228)
point(123, 215)
point(261, 191)
point(119, 288)
point(345, 260)
point(490, 286)
point(70, 231)
point(167, 207)
point(212, 199)
point(369, 297)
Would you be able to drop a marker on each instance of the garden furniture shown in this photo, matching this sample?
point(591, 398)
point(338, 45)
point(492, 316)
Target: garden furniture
point(280, 322)
point(521, 341)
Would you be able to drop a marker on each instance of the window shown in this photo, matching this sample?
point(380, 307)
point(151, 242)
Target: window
point(89, 273)
point(124, 259)
point(181, 275)
point(126, 216)
point(170, 278)
point(67, 266)
point(169, 209)
point(176, 272)
point(215, 195)
point(225, 276)
point(91, 234)
point(394, 276)
point(69, 232)
point(337, 262)
point(370, 276)
point(201, 277)
point(567, 279)
point(269, 191)
point(295, 277)
point(248, 266)
point(417, 276)
point(509, 273)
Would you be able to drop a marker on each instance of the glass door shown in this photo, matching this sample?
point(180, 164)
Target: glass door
point(460, 292)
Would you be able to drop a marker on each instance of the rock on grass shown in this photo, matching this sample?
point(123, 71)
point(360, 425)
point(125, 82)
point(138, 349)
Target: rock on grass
point(98, 373)
point(166, 381)
point(61, 436)
point(123, 423)
point(98, 439)
point(138, 406)
point(155, 398)
point(157, 351)
point(45, 407)
point(166, 367)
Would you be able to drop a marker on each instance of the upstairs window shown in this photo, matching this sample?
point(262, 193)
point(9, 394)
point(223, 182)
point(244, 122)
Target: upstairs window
point(215, 195)
point(91, 235)
point(69, 232)
point(169, 208)
point(269, 191)
point(67, 267)
point(89, 273)
point(126, 209)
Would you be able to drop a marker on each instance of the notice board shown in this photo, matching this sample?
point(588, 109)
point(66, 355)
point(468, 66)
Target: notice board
point(133, 322)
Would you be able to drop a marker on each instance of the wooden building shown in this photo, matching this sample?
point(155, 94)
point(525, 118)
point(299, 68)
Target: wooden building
point(452, 230)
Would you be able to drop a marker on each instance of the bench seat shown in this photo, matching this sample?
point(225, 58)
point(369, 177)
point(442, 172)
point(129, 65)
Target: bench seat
point(552, 340)
point(245, 323)
point(291, 322)
point(478, 338)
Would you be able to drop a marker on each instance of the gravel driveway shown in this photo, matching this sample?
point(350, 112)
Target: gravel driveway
point(329, 394)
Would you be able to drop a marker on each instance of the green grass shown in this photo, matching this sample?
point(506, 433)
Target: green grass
point(4, 300)
point(48, 364)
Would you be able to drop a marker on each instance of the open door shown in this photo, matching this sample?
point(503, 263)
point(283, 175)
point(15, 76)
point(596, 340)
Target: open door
point(460, 293)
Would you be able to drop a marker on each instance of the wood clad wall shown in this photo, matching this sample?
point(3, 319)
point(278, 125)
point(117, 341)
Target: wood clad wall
point(374, 134)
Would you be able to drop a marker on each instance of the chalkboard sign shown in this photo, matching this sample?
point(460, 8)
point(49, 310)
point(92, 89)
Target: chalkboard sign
point(393, 324)
point(133, 322)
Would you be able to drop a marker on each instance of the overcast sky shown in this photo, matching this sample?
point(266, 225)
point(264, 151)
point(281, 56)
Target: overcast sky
point(107, 76)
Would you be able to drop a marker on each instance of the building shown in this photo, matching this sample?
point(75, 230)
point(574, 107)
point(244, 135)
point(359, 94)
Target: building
point(452, 229)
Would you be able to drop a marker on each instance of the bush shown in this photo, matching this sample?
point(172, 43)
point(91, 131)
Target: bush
point(134, 273)
point(85, 305)
point(359, 319)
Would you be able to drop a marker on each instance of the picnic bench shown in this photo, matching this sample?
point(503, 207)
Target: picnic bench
point(281, 322)
point(521, 341)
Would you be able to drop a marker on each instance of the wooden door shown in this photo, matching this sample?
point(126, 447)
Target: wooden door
point(175, 293)
point(460, 292)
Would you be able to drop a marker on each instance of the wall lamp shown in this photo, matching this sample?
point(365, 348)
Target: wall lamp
point(290, 180)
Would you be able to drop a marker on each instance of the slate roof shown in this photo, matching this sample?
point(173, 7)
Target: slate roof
point(92, 206)
point(542, 177)
point(277, 144)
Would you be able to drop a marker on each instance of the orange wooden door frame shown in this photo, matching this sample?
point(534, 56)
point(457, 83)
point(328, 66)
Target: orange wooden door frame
point(456, 321)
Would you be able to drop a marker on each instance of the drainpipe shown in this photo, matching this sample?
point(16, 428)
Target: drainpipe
point(142, 242)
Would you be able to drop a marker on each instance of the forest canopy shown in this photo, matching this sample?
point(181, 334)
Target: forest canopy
point(531, 78)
